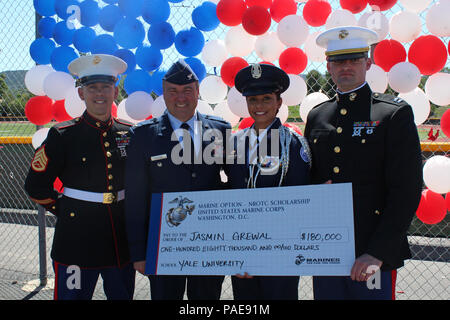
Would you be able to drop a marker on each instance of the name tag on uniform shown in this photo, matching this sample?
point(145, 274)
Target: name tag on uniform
point(159, 157)
point(368, 126)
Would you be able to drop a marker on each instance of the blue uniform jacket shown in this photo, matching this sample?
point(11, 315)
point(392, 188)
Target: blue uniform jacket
point(149, 169)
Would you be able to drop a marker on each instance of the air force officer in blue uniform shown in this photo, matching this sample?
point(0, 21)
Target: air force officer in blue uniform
point(154, 165)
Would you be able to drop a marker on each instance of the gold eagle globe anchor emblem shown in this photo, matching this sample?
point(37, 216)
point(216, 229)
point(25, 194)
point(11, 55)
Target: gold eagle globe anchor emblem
point(176, 215)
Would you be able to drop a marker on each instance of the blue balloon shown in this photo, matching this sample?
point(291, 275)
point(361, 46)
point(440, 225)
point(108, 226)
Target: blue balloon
point(82, 39)
point(61, 57)
point(204, 17)
point(108, 17)
point(157, 77)
point(127, 56)
point(41, 50)
point(197, 66)
point(161, 35)
point(104, 43)
point(190, 42)
point(138, 80)
point(110, 1)
point(62, 34)
point(175, 1)
point(148, 58)
point(156, 11)
point(129, 33)
point(46, 26)
point(89, 13)
point(44, 7)
point(62, 6)
point(131, 8)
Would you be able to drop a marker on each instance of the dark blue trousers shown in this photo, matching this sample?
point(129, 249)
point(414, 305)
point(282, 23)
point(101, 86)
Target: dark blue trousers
point(344, 288)
point(73, 283)
point(173, 287)
point(265, 288)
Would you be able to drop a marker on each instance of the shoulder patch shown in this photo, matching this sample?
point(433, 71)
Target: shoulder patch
point(305, 151)
point(40, 160)
point(388, 98)
point(66, 124)
point(215, 118)
point(124, 122)
point(146, 122)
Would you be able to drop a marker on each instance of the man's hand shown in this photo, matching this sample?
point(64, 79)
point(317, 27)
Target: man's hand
point(139, 266)
point(360, 271)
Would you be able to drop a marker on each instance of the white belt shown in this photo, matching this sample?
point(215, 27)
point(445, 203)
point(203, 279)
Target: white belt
point(106, 198)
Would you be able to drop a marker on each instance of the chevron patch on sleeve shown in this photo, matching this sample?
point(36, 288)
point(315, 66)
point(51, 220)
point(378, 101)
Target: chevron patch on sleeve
point(40, 160)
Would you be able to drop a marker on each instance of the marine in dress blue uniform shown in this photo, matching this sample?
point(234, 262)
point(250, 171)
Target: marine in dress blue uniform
point(370, 140)
point(88, 155)
point(152, 168)
point(266, 163)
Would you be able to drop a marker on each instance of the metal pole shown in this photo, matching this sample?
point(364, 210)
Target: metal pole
point(42, 224)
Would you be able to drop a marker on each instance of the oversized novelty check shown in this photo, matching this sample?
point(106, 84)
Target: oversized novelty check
point(300, 230)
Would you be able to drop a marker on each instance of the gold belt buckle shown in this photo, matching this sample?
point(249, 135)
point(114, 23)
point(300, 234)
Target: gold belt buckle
point(109, 198)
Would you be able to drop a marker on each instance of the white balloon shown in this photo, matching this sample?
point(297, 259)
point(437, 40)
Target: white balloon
point(268, 47)
point(237, 103)
point(34, 79)
point(122, 112)
point(138, 105)
point(436, 174)
point(377, 79)
point(158, 107)
point(283, 113)
point(73, 103)
point(437, 19)
point(415, 5)
point(57, 83)
point(312, 50)
point(213, 90)
point(405, 26)
point(404, 77)
point(292, 30)
point(214, 53)
point(296, 91)
point(238, 42)
point(437, 88)
point(223, 110)
point(204, 108)
point(38, 137)
point(340, 17)
point(310, 101)
point(419, 104)
point(375, 21)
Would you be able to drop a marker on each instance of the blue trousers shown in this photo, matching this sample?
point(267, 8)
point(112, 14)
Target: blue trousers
point(73, 283)
point(344, 288)
point(265, 288)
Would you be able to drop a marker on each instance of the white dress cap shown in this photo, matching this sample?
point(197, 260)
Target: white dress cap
point(100, 67)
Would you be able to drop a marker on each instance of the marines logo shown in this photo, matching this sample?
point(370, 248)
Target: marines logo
point(343, 34)
point(96, 60)
point(256, 71)
point(176, 215)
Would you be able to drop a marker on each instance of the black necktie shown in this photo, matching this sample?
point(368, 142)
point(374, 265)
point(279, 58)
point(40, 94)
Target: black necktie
point(188, 148)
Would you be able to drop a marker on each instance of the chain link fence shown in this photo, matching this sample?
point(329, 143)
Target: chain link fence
point(425, 276)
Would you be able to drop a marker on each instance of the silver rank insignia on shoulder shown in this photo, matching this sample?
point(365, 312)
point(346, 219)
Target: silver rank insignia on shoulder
point(256, 71)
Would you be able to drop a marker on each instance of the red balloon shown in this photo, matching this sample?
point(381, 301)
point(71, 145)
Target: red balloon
point(114, 110)
point(293, 127)
point(149, 117)
point(428, 53)
point(263, 3)
point(316, 12)
point(230, 68)
point(355, 6)
point(39, 110)
point(388, 53)
point(266, 62)
point(432, 208)
point(246, 123)
point(445, 123)
point(256, 20)
point(59, 112)
point(282, 8)
point(230, 12)
point(293, 60)
point(382, 5)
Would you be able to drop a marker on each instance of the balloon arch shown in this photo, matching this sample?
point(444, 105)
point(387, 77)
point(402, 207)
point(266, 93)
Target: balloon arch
point(281, 32)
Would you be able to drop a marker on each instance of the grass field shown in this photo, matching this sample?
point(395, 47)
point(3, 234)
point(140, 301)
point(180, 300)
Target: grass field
point(27, 129)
